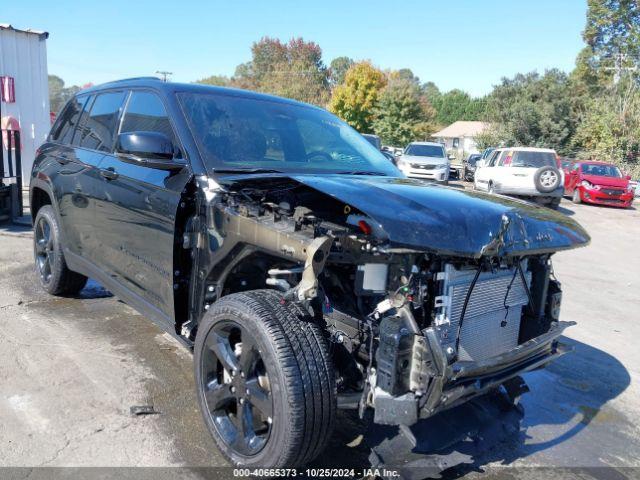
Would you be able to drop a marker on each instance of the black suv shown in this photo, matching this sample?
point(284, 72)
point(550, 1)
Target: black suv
point(300, 265)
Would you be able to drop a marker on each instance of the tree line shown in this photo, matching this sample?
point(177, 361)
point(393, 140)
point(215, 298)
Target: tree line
point(591, 112)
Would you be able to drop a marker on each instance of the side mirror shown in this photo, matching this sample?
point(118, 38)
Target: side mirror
point(149, 149)
point(628, 177)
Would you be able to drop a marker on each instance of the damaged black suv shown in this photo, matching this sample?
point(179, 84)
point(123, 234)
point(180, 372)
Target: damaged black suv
point(305, 271)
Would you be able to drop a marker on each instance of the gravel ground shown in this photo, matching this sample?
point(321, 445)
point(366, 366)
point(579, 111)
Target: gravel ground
point(71, 368)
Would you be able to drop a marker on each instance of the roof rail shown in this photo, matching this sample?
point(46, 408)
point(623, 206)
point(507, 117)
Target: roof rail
point(134, 78)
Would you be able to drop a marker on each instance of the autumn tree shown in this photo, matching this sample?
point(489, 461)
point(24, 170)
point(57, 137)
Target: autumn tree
point(294, 69)
point(356, 99)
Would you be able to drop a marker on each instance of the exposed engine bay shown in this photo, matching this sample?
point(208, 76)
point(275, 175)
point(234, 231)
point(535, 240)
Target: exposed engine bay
point(413, 330)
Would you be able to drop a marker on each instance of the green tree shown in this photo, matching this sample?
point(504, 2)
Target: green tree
point(402, 114)
point(534, 110)
point(610, 127)
point(216, 80)
point(407, 74)
point(612, 35)
point(455, 105)
point(338, 69)
point(59, 94)
point(356, 99)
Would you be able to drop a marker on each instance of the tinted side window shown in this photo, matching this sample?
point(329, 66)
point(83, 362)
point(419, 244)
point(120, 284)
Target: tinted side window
point(65, 126)
point(97, 129)
point(494, 157)
point(146, 113)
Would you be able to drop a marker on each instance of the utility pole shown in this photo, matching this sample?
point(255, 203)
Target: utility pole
point(164, 74)
point(618, 69)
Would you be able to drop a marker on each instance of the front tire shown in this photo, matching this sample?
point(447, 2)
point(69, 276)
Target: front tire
point(51, 267)
point(265, 380)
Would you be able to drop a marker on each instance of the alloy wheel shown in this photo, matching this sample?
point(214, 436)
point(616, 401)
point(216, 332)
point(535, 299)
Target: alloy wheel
point(236, 388)
point(44, 249)
point(549, 178)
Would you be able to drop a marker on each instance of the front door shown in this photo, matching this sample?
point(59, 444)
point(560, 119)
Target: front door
point(139, 211)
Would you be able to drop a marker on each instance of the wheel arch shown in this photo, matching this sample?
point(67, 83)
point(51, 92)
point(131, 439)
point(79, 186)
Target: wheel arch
point(40, 196)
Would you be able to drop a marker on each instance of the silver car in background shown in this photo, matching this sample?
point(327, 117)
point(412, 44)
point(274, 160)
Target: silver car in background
point(425, 160)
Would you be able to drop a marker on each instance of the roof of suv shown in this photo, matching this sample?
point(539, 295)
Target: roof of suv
point(527, 149)
point(435, 144)
point(171, 87)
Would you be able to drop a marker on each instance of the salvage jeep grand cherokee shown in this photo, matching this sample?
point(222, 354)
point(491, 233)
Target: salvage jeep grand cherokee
point(305, 271)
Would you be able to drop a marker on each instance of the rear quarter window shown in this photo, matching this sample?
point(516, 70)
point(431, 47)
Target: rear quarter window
point(534, 159)
point(65, 126)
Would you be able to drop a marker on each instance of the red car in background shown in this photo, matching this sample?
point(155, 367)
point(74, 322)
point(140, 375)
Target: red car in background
point(599, 183)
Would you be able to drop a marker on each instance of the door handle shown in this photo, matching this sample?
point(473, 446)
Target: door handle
point(109, 173)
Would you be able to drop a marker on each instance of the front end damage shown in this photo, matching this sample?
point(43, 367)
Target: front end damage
point(429, 296)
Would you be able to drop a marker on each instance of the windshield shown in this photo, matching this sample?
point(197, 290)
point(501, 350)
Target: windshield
point(534, 159)
point(424, 150)
point(239, 133)
point(601, 170)
point(473, 159)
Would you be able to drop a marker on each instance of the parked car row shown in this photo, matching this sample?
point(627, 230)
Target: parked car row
point(535, 174)
point(540, 175)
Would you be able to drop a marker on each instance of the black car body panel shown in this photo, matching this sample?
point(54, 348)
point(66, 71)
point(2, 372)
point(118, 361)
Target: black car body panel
point(376, 256)
point(449, 220)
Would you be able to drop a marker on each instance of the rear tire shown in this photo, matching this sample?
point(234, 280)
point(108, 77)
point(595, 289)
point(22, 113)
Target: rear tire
point(576, 197)
point(51, 267)
point(298, 380)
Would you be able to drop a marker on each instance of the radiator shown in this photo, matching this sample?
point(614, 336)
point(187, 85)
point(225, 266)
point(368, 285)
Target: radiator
point(492, 319)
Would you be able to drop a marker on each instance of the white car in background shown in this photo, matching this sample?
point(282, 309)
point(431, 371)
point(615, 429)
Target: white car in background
point(426, 160)
point(529, 173)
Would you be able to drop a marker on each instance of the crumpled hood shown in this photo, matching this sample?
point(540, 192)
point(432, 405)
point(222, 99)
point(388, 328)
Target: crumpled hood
point(606, 181)
point(449, 220)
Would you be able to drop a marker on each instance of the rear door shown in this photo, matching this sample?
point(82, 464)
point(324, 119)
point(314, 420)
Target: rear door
point(92, 140)
point(67, 176)
point(139, 213)
point(485, 173)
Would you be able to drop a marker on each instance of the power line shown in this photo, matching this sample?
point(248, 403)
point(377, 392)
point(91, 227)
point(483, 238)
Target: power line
point(164, 74)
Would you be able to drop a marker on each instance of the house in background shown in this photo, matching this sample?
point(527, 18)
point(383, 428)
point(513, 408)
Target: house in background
point(459, 138)
point(24, 92)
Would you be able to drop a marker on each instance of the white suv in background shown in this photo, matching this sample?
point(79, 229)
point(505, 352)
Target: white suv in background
point(530, 173)
point(425, 160)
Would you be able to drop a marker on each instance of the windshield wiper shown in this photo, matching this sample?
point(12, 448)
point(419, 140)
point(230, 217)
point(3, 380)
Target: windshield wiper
point(246, 170)
point(362, 173)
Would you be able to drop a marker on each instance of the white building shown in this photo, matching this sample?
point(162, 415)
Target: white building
point(25, 89)
point(460, 137)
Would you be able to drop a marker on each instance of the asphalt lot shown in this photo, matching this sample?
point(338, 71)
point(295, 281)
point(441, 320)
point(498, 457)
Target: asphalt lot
point(71, 368)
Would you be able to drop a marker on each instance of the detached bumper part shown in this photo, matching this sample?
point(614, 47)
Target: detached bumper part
point(452, 385)
point(390, 410)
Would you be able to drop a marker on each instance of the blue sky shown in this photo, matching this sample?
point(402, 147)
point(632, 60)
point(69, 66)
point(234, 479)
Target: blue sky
point(467, 44)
